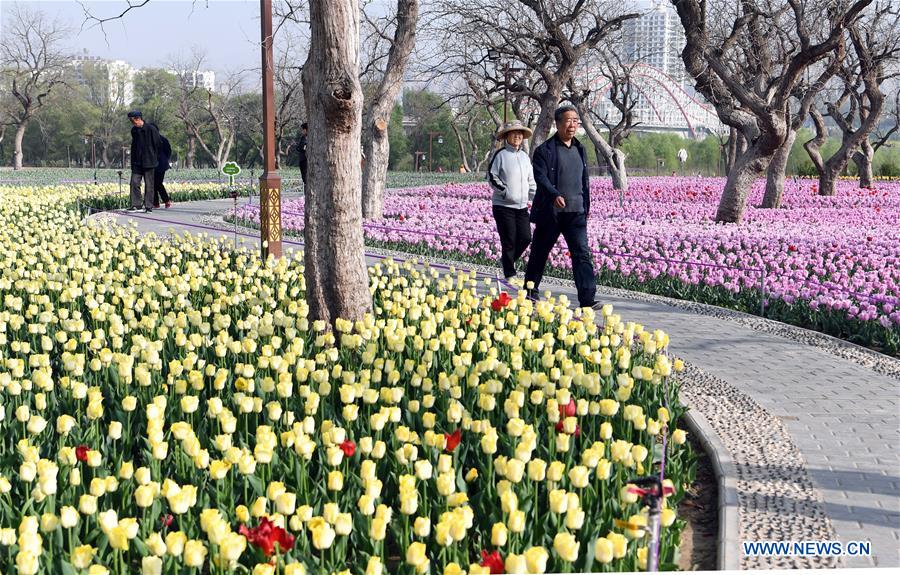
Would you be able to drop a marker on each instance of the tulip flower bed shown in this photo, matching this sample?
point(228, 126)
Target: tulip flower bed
point(826, 263)
point(289, 175)
point(166, 405)
point(103, 197)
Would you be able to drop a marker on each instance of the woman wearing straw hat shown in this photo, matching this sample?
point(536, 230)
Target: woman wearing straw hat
point(512, 181)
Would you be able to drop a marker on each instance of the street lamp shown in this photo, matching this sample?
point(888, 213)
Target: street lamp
point(269, 181)
point(93, 154)
point(494, 55)
point(431, 136)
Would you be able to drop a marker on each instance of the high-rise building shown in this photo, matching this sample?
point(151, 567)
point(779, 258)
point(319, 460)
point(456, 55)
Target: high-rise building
point(656, 38)
point(118, 76)
point(663, 96)
point(205, 79)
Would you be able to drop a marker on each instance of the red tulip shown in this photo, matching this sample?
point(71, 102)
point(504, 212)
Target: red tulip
point(349, 448)
point(81, 453)
point(402, 218)
point(166, 519)
point(567, 410)
point(266, 536)
point(492, 560)
point(792, 248)
point(453, 440)
point(501, 302)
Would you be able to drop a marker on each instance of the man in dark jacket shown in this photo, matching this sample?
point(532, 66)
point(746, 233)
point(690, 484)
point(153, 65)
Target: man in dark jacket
point(159, 175)
point(561, 206)
point(144, 159)
point(301, 148)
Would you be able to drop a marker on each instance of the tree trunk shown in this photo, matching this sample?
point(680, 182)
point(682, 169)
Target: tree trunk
point(617, 170)
point(729, 150)
point(615, 158)
point(17, 151)
point(191, 151)
point(747, 168)
point(376, 145)
point(549, 101)
point(377, 149)
point(775, 172)
point(863, 160)
point(833, 168)
point(336, 281)
point(461, 145)
point(813, 146)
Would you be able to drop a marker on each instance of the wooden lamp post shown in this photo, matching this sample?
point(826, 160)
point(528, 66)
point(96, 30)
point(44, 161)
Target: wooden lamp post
point(269, 181)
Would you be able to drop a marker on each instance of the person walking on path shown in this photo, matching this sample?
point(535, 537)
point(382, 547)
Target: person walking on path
point(561, 206)
point(512, 181)
point(165, 156)
point(301, 149)
point(145, 145)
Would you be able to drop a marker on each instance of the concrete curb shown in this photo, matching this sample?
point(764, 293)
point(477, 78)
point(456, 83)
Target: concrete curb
point(728, 545)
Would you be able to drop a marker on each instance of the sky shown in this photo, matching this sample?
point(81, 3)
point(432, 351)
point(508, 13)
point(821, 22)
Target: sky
point(150, 36)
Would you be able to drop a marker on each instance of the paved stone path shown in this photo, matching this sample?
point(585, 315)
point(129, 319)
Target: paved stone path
point(843, 418)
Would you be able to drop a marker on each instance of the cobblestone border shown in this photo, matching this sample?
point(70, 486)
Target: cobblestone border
point(728, 544)
point(765, 491)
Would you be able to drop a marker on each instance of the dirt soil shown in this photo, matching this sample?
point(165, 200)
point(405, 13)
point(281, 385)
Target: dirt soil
point(701, 511)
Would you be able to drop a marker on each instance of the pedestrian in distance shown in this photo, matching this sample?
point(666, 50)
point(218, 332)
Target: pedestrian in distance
point(301, 150)
point(145, 144)
point(561, 207)
point(511, 179)
point(159, 175)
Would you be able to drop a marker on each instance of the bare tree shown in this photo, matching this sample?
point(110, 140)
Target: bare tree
point(380, 103)
point(549, 38)
point(747, 58)
point(622, 94)
point(470, 121)
point(856, 111)
point(863, 157)
point(336, 280)
point(290, 108)
point(33, 65)
point(103, 88)
point(208, 116)
point(804, 95)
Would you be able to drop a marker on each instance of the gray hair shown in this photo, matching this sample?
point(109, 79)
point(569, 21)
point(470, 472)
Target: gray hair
point(558, 114)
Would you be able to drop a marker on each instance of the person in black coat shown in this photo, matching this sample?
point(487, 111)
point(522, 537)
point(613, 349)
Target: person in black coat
point(145, 144)
point(561, 206)
point(165, 156)
point(301, 149)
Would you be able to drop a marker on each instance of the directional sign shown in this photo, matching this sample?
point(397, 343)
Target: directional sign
point(231, 169)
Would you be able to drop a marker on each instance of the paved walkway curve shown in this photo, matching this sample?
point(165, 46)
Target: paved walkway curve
point(842, 419)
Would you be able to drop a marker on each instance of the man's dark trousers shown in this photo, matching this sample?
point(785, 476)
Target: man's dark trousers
point(303, 168)
point(147, 176)
point(573, 227)
point(515, 235)
point(160, 192)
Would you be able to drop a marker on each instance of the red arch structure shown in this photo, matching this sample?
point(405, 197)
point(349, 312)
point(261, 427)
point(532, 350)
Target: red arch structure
point(662, 92)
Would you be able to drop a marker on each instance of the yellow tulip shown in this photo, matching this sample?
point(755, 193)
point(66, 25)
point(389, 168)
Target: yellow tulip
point(82, 556)
point(536, 559)
point(566, 546)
